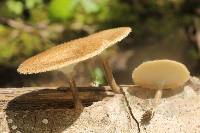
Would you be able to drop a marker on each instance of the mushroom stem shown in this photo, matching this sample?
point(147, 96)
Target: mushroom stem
point(148, 115)
point(157, 97)
point(75, 94)
point(69, 75)
point(109, 75)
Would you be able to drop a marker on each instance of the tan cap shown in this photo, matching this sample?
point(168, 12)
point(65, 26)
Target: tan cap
point(161, 74)
point(73, 51)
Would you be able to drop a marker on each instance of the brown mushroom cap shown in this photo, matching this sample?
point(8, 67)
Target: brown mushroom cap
point(161, 74)
point(73, 51)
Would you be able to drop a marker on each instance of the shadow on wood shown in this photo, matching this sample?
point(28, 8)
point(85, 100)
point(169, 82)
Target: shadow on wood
point(145, 93)
point(49, 110)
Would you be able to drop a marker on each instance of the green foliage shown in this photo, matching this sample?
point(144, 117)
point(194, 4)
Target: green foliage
point(30, 4)
point(30, 43)
point(90, 6)
point(16, 46)
point(158, 18)
point(97, 76)
point(39, 15)
point(62, 9)
point(15, 7)
point(7, 51)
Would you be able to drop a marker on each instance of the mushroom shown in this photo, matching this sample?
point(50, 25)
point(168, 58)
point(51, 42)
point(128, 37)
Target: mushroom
point(64, 56)
point(159, 75)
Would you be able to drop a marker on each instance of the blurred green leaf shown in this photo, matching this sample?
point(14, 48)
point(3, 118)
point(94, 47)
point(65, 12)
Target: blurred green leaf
point(7, 51)
point(39, 14)
point(30, 43)
point(97, 76)
point(3, 30)
point(62, 9)
point(90, 6)
point(32, 3)
point(15, 6)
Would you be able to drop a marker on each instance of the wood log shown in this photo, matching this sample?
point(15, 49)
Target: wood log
point(50, 110)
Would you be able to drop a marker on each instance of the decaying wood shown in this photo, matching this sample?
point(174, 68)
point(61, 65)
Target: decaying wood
point(40, 110)
point(50, 110)
point(52, 97)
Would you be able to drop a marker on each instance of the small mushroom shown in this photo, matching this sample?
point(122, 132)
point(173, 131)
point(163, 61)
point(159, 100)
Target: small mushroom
point(64, 56)
point(159, 75)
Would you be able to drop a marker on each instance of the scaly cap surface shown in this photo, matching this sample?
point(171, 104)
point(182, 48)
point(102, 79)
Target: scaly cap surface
point(73, 51)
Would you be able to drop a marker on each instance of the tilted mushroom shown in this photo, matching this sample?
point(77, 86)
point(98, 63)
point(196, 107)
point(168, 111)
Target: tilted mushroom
point(159, 75)
point(70, 53)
